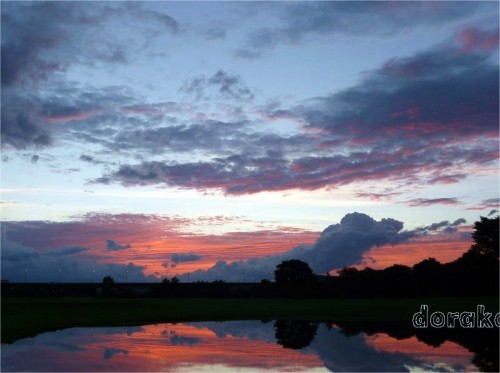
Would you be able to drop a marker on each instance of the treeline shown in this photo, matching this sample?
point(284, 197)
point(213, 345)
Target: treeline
point(470, 275)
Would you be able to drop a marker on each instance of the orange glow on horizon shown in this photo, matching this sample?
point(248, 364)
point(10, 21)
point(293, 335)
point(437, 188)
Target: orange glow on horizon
point(444, 248)
point(155, 255)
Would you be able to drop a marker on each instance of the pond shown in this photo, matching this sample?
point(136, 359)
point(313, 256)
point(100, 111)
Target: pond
point(250, 346)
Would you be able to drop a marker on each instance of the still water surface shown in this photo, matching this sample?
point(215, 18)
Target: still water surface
point(230, 346)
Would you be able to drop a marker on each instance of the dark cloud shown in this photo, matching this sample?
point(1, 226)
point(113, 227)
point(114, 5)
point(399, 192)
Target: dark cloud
point(433, 201)
point(41, 38)
point(443, 226)
point(23, 40)
point(458, 222)
point(180, 257)
point(87, 158)
point(493, 212)
point(20, 126)
point(338, 246)
point(244, 174)
point(222, 84)
point(420, 100)
point(109, 352)
point(27, 118)
point(436, 226)
point(73, 103)
point(301, 20)
point(112, 245)
point(70, 250)
point(235, 174)
point(90, 159)
point(215, 136)
point(177, 340)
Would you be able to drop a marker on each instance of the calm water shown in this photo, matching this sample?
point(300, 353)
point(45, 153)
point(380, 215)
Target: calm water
point(237, 346)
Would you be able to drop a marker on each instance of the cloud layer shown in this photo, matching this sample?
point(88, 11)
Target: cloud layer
point(413, 120)
point(427, 118)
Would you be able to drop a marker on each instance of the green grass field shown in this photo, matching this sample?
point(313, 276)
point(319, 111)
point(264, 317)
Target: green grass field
point(27, 317)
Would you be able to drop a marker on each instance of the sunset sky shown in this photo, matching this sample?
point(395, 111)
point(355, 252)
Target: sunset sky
point(153, 139)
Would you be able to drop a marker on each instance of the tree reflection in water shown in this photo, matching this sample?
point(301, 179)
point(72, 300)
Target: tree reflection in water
point(484, 343)
point(295, 334)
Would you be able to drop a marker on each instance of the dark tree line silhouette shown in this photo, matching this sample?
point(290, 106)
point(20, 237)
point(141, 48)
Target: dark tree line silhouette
point(475, 273)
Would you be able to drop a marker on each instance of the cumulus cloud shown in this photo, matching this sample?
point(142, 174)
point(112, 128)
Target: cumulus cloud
point(112, 245)
point(339, 245)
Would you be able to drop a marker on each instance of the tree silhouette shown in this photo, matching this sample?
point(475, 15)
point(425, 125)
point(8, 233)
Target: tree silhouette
point(295, 334)
point(108, 281)
point(428, 275)
point(175, 280)
point(293, 271)
point(485, 237)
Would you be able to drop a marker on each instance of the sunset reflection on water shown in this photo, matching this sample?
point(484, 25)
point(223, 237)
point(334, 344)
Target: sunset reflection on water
point(224, 346)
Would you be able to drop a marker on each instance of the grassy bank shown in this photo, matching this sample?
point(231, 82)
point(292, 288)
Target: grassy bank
point(26, 317)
